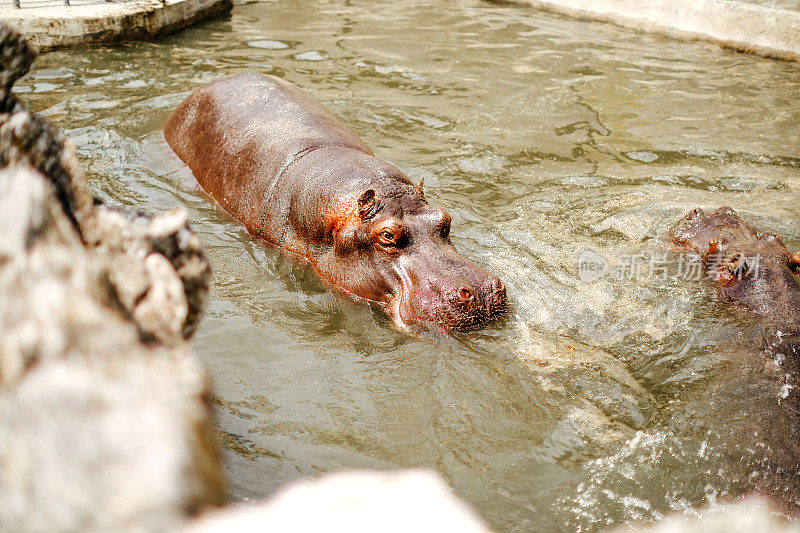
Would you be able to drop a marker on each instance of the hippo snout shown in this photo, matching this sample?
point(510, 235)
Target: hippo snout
point(461, 304)
point(491, 293)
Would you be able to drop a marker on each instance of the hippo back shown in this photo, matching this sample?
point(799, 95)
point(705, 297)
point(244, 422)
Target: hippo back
point(241, 133)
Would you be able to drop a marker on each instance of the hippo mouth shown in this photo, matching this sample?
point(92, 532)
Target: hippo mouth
point(459, 307)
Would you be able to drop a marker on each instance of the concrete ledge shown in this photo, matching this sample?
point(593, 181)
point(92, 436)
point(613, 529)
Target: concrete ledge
point(50, 24)
point(746, 26)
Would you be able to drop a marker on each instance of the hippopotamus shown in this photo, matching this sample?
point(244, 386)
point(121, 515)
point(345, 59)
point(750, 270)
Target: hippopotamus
point(760, 400)
point(297, 178)
point(755, 271)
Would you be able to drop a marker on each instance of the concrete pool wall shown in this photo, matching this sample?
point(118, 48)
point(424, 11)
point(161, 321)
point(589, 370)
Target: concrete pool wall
point(764, 27)
point(50, 23)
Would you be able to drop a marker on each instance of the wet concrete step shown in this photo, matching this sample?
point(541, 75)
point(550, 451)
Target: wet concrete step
point(51, 23)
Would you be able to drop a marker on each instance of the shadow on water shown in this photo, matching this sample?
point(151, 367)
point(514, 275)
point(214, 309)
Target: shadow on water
point(597, 402)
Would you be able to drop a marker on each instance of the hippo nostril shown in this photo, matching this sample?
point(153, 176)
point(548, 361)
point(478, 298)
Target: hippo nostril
point(465, 294)
point(496, 301)
point(499, 286)
point(495, 287)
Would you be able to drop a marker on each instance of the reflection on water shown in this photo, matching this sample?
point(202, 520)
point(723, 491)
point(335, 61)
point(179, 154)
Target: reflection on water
point(595, 403)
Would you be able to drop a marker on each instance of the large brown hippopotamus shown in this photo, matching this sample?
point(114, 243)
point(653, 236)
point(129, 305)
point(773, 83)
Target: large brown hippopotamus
point(295, 176)
point(760, 401)
point(755, 271)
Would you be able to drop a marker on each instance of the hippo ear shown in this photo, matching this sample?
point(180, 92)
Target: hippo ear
point(794, 262)
point(366, 203)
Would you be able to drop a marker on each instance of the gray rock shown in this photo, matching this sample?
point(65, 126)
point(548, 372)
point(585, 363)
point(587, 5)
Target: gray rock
point(105, 420)
point(28, 140)
point(131, 243)
point(120, 235)
point(766, 27)
point(98, 429)
point(120, 444)
point(354, 501)
point(51, 24)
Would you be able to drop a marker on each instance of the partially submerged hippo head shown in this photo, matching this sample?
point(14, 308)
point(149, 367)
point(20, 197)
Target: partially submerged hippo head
point(755, 271)
point(394, 249)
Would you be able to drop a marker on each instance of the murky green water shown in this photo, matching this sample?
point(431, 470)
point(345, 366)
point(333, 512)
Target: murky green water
point(596, 403)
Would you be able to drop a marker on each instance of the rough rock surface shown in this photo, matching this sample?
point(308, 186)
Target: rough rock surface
point(357, 501)
point(122, 237)
point(105, 422)
point(157, 267)
point(29, 140)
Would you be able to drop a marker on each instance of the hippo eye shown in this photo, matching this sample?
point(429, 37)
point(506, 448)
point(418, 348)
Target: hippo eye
point(391, 236)
point(387, 237)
